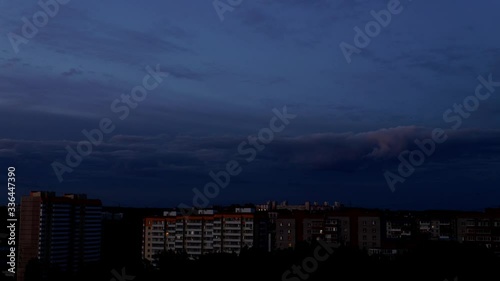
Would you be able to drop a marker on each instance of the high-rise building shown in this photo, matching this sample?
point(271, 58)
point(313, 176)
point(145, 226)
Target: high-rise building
point(61, 232)
point(337, 230)
point(203, 232)
point(275, 227)
point(265, 230)
point(286, 231)
point(233, 232)
point(480, 228)
point(438, 225)
point(369, 232)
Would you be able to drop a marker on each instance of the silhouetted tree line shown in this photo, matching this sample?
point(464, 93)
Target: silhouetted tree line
point(430, 261)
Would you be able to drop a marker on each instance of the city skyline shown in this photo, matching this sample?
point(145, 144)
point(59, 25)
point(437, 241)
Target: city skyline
point(281, 204)
point(73, 236)
point(250, 139)
point(271, 227)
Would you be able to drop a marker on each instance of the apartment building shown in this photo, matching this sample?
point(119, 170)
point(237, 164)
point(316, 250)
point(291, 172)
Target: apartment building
point(154, 237)
point(307, 206)
point(378, 232)
point(340, 227)
point(192, 234)
point(201, 233)
point(265, 230)
point(337, 230)
point(59, 231)
point(232, 232)
point(480, 228)
point(286, 232)
point(313, 228)
point(400, 225)
point(369, 232)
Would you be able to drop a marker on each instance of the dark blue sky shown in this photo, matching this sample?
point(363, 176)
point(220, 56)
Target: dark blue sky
point(225, 78)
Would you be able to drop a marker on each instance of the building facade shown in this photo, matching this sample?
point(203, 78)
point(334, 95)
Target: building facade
point(273, 228)
point(197, 234)
point(59, 231)
point(480, 228)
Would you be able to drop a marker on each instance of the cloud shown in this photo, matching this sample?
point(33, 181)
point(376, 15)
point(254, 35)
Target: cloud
point(328, 151)
point(354, 151)
point(182, 72)
point(72, 72)
point(165, 168)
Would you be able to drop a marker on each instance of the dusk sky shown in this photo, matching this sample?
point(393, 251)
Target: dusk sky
point(225, 77)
